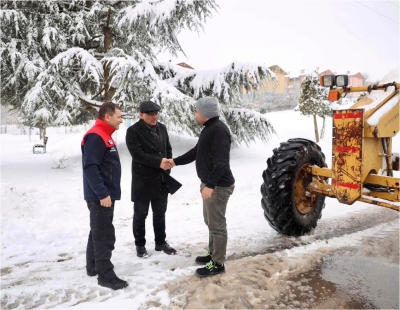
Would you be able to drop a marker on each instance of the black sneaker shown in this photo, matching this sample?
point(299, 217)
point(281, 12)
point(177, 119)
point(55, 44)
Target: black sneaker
point(141, 251)
point(202, 260)
point(114, 283)
point(165, 248)
point(211, 269)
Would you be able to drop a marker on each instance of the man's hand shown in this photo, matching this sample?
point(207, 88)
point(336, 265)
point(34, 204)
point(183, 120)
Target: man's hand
point(165, 164)
point(106, 202)
point(172, 163)
point(207, 192)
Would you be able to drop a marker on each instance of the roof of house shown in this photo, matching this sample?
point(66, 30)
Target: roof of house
point(277, 69)
point(184, 65)
point(326, 72)
point(359, 75)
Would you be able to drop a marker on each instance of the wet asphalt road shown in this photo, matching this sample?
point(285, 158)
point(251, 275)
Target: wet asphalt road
point(348, 262)
point(364, 277)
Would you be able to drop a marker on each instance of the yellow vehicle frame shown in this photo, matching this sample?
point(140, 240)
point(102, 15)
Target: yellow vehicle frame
point(361, 153)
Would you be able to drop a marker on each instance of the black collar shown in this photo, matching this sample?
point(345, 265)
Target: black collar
point(143, 124)
point(211, 121)
point(152, 128)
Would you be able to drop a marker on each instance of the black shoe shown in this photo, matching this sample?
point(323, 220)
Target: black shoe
point(114, 283)
point(165, 248)
point(211, 269)
point(202, 260)
point(141, 251)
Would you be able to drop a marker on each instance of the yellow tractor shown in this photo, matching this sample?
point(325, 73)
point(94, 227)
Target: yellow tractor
point(297, 179)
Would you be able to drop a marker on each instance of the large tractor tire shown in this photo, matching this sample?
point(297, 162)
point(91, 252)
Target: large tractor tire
point(288, 205)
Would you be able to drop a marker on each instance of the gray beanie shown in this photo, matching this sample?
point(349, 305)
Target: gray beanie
point(208, 107)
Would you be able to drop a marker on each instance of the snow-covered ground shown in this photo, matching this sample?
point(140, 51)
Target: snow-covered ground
point(45, 224)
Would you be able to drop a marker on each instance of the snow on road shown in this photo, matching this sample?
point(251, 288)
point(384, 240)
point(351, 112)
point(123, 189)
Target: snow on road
point(44, 229)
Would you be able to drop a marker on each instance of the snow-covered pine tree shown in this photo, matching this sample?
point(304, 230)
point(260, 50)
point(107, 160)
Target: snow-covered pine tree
point(313, 100)
point(62, 59)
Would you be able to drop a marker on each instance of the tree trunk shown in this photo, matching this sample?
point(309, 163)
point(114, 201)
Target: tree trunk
point(109, 91)
point(323, 128)
point(316, 129)
point(108, 40)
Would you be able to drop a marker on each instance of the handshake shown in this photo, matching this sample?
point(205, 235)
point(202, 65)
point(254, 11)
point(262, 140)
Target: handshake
point(167, 164)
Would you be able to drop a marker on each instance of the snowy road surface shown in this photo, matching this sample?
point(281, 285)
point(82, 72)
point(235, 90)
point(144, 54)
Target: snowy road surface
point(351, 260)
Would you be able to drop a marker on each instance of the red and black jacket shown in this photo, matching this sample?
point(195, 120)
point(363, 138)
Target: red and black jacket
point(100, 163)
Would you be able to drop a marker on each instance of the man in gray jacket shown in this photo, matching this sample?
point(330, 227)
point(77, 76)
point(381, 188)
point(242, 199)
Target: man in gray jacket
point(212, 154)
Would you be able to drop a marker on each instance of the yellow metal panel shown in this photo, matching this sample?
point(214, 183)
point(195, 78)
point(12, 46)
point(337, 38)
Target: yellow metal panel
point(372, 157)
point(383, 180)
point(347, 151)
point(384, 195)
point(380, 203)
point(323, 172)
point(388, 125)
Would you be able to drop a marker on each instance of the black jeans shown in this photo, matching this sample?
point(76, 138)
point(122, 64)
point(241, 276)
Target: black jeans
point(101, 239)
point(140, 211)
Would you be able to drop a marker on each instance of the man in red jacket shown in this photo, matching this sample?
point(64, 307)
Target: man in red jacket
point(101, 186)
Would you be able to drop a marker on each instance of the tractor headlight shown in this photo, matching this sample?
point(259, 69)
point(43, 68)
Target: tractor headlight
point(334, 80)
point(327, 80)
point(342, 80)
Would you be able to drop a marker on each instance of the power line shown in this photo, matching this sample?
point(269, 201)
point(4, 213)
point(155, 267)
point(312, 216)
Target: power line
point(377, 12)
point(392, 3)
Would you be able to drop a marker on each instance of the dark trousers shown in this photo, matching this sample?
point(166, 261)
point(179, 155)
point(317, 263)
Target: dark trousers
point(101, 239)
point(140, 211)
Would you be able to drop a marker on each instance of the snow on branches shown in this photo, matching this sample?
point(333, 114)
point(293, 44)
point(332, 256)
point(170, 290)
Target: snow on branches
point(313, 97)
point(313, 101)
point(246, 125)
point(226, 83)
point(57, 92)
point(62, 59)
point(162, 21)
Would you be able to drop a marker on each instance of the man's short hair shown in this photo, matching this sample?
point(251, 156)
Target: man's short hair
point(108, 108)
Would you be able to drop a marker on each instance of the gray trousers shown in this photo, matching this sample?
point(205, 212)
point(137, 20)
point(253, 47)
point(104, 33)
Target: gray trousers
point(214, 210)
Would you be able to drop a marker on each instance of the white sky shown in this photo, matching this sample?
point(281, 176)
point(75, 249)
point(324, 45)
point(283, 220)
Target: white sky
point(356, 36)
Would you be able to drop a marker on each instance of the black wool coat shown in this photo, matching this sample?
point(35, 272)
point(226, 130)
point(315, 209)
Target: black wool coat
point(147, 154)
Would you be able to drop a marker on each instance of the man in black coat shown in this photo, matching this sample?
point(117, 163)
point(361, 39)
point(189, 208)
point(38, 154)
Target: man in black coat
point(101, 187)
point(148, 142)
point(212, 154)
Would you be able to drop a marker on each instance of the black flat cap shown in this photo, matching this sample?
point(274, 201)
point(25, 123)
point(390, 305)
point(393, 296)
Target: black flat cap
point(149, 106)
